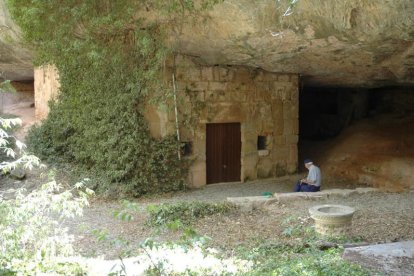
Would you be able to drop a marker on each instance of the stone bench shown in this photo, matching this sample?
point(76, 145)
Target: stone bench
point(323, 194)
point(255, 202)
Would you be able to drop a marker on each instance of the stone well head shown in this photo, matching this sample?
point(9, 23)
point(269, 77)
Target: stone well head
point(332, 219)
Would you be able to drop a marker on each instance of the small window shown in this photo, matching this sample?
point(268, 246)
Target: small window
point(261, 142)
point(186, 148)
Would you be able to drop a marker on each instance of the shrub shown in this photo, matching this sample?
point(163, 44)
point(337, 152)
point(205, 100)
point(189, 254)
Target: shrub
point(110, 65)
point(32, 236)
point(185, 212)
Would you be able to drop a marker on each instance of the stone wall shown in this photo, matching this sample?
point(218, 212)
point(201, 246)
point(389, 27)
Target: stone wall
point(266, 104)
point(46, 86)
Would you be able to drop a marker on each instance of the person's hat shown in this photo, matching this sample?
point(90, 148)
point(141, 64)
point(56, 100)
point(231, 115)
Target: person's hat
point(307, 161)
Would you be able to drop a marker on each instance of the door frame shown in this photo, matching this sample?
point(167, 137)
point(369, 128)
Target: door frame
point(225, 133)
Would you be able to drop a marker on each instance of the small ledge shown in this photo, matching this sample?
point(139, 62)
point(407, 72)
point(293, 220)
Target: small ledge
point(263, 152)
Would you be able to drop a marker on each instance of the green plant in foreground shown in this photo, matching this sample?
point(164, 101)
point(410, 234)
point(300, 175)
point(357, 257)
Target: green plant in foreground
point(33, 238)
point(10, 158)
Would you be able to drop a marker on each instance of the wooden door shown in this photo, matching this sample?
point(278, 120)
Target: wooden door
point(223, 148)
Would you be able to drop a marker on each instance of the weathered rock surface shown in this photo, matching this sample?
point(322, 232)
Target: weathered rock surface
point(18, 174)
point(350, 42)
point(387, 259)
point(330, 43)
point(15, 59)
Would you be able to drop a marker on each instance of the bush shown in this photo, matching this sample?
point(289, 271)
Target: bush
point(110, 67)
point(32, 236)
point(185, 212)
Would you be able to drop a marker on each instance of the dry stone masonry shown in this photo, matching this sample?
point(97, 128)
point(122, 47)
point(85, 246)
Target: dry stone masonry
point(265, 104)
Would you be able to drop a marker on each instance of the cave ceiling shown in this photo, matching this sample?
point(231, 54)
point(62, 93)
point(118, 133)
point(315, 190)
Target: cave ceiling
point(349, 43)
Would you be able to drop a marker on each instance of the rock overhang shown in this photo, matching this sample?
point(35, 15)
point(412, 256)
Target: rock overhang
point(346, 43)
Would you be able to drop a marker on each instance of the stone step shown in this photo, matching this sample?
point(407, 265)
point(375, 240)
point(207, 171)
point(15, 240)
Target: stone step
point(323, 194)
point(256, 202)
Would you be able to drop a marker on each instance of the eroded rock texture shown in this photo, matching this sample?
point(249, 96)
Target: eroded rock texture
point(330, 43)
point(15, 59)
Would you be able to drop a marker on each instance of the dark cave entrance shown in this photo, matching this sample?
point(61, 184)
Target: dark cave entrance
point(325, 112)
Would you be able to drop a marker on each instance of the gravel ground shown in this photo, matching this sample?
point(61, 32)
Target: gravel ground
point(380, 217)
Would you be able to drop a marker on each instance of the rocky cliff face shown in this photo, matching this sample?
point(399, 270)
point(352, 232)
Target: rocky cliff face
point(330, 43)
point(15, 59)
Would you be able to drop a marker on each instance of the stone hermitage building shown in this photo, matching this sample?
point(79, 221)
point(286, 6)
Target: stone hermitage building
point(236, 123)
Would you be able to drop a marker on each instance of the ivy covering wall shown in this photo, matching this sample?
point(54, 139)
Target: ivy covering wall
point(109, 59)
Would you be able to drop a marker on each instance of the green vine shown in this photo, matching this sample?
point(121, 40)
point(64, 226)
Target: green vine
point(109, 55)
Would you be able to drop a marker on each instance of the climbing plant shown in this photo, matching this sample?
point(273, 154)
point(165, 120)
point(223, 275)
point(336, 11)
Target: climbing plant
point(109, 55)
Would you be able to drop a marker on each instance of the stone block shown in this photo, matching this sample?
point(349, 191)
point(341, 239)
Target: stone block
point(217, 96)
point(238, 96)
point(252, 202)
point(280, 168)
point(242, 75)
point(295, 127)
point(267, 126)
point(210, 96)
point(290, 111)
point(198, 178)
point(268, 76)
point(290, 126)
point(292, 139)
point(249, 163)
point(198, 85)
point(216, 73)
point(223, 96)
point(250, 96)
point(226, 74)
point(283, 78)
point(217, 86)
point(46, 88)
point(294, 79)
point(249, 146)
point(18, 174)
point(293, 153)
point(291, 167)
point(294, 96)
point(280, 92)
point(279, 140)
point(278, 125)
point(226, 113)
point(263, 87)
point(281, 153)
point(181, 86)
point(265, 167)
point(197, 96)
point(207, 74)
point(188, 74)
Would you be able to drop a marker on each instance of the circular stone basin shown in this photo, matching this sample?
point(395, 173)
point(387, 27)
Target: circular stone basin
point(332, 219)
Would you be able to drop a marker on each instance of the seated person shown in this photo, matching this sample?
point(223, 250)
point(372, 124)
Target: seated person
point(312, 183)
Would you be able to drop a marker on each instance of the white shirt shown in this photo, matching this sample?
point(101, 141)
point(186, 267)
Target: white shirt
point(314, 175)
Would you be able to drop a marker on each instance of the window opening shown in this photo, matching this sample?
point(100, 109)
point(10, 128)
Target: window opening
point(261, 142)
